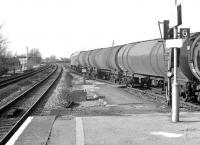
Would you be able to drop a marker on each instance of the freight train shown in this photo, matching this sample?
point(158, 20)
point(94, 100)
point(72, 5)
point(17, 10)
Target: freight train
point(144, 64)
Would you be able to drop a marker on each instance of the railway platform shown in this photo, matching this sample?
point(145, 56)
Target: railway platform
point(134, 129)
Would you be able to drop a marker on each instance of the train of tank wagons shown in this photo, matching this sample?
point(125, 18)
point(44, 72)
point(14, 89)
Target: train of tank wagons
point(143, 64)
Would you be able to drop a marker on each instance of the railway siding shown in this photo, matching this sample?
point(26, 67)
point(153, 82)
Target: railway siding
point(20, 87)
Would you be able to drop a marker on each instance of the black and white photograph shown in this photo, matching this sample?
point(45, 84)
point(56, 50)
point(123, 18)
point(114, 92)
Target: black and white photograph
point(99, 72)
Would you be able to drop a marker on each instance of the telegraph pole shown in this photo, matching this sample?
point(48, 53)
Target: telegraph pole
point(113, 43)
point(27, 56)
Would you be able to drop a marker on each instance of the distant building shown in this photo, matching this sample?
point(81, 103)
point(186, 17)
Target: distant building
point(24, 62)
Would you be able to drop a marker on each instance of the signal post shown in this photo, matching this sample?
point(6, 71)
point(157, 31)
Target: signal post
point(174, 41)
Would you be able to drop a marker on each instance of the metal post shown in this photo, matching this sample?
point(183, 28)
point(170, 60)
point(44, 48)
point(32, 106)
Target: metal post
point(169, 83)
point(13, 67)
point(169, 89)
point(26, 57)
point(175, 88)
point(84, 78)
point(113, 43)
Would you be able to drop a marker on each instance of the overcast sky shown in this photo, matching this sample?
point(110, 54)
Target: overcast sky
point(62, 27)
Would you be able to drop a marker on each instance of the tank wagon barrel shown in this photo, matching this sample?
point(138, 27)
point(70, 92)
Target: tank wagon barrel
point(194, 55)
point(143, 58)
point(74, 60)
point(81, 58)
point(142, 63)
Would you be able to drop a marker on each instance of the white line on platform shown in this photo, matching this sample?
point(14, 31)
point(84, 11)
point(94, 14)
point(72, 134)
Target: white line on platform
point(79, 131)
point(167, 134)
point(19, 131)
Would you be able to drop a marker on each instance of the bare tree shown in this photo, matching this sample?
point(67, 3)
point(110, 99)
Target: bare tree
point(3, 47)
point(3, 44)
point(35, 56)
point(52, 58)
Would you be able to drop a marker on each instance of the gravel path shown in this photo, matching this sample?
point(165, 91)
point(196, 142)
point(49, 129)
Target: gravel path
point(68, 84)
point(59, 95)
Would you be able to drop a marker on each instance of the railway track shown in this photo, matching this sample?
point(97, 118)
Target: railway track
point(154, 95)
point(12, 80)
point(15, 112)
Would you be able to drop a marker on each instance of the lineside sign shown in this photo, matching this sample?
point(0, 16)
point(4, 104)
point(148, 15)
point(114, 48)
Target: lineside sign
point(174, 43)
point(184, 32)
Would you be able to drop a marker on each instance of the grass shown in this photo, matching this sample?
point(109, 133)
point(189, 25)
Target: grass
point(7, 91)
point(25, 83)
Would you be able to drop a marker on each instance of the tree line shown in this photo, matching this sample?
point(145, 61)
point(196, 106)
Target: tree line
point(10, 62)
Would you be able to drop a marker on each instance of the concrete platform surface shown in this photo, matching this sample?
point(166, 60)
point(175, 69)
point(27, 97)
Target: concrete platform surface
point(151, 129)
point(34, 131)
point(139, 129)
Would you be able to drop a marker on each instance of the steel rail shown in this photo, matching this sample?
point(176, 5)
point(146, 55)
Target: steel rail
point(13, 77)
point(10, 81)
point(6, 138)
point(156, 97)
point(8, 104)
point(161, 99)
